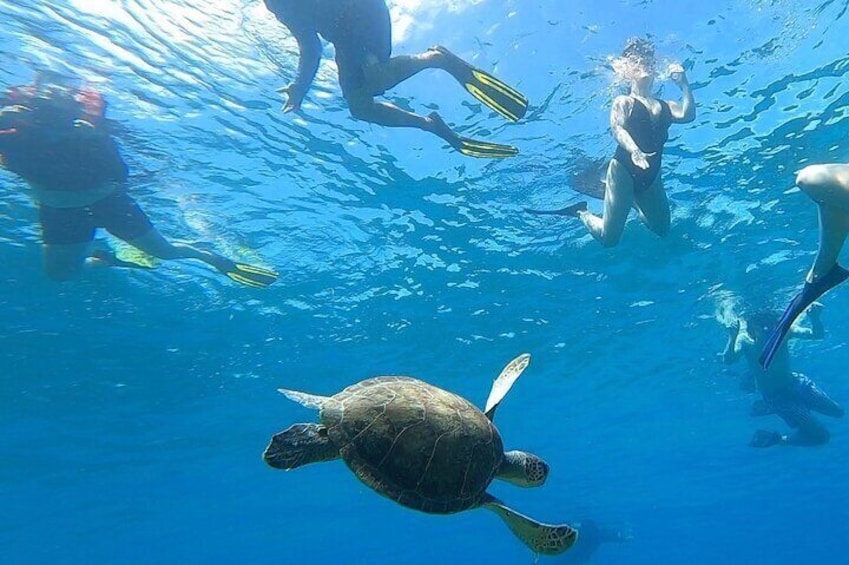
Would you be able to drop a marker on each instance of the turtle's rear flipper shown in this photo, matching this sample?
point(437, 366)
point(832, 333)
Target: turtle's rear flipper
point(300, 445)
point(547, 539)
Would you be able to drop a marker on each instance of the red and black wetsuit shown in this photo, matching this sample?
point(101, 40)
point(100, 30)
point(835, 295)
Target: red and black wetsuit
point(61, 142)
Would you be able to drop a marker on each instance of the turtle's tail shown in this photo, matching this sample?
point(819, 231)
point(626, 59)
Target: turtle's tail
point(300, 445)
point(547, 539)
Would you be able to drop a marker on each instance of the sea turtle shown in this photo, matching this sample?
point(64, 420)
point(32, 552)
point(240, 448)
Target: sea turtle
point(423, 447)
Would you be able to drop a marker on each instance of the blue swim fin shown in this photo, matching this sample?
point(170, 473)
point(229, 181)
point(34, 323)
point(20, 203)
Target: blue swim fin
point(809, 293)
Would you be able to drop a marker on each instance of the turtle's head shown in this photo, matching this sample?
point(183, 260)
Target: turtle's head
point(523, 469)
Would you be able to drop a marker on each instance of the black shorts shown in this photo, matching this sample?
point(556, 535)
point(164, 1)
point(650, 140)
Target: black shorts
point(363, 35)
point(118, 213)
point(795, 402)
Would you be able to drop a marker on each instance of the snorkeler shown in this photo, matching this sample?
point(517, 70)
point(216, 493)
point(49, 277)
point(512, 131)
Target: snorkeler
point(639, 123)
point(792, 396)
point(361, 32)
point(58, 140)
point(828, 186)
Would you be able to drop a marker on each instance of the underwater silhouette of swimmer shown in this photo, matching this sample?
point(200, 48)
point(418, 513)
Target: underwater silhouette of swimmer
point(639, 123)
point(791, 396)
point(828, 187)
point(361, 32)
point(57, 138)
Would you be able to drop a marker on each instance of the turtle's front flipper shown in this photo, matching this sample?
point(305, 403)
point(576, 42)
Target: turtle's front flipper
point(522, 469)
point(299, 445)
point(547, 539)
point(504, 382)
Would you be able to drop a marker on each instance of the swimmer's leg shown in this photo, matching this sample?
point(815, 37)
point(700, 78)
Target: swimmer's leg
point(618, 199)
point(653, 207)
point(383, 75)
point(828, 186)
point(816, 399)
point(795, 412)
point(153, 243)
point(834, 226)
point(65, 261)
point(811, 432)
point(365, 107)
point(67, 234)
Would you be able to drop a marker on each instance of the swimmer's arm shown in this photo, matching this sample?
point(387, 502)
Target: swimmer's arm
point(310, 55)
point(734, 347)
point(618, 114)
point(685, 111)
point(309, 49)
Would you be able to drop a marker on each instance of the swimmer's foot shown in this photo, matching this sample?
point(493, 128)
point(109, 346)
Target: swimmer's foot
point(573, 211)
point(766, 438)
point(809, 293)
point(108, 258)
point(465, 145)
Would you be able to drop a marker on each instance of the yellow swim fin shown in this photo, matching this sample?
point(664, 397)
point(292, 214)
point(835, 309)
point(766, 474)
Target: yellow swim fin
point(493, 92)
point(250, 275)
point(484, 149)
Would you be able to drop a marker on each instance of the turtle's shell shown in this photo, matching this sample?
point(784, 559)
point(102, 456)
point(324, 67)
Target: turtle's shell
point(417, 444)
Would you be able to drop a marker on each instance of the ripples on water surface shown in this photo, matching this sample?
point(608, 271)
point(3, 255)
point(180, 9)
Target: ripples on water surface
point(136, 405)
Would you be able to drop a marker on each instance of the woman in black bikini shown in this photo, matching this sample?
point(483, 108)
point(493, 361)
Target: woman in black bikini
point(639, 123)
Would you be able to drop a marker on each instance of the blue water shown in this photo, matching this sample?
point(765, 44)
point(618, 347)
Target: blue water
point(135, 405)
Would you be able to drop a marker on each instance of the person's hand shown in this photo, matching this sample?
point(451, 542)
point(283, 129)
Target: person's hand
point(293, 102)
point(676, 74)
point(639, 158)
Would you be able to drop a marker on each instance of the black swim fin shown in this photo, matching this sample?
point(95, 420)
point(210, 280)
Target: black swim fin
point(571, 211)
point(249, 275)
point(809, 293)
point(484, 149)
point(494, 93)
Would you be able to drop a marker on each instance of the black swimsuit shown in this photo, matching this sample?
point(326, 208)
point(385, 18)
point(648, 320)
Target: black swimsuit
point(649, 135)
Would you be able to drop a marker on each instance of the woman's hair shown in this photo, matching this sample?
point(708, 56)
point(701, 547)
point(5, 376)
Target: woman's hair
point(639, 50)
point(637, 56)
